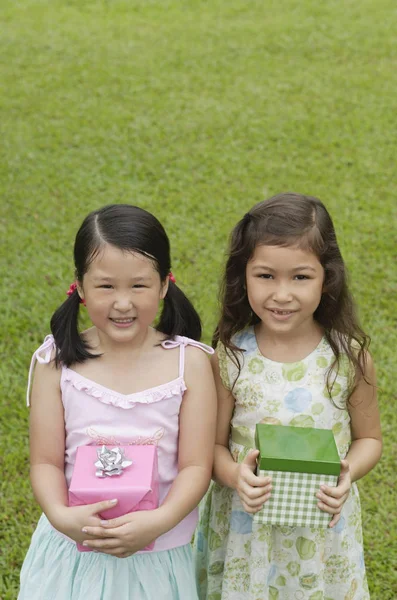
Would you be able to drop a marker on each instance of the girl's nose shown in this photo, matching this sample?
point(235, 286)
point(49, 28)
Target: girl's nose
point(282, 293)
point(123, 302)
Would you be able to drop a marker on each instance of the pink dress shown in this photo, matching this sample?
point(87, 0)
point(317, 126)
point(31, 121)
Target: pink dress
point(97, 415)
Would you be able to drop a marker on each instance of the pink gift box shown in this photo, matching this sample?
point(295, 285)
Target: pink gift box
point(135, 489)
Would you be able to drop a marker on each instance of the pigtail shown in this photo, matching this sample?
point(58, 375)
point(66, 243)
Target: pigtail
point(179, 316)
point(71, 348)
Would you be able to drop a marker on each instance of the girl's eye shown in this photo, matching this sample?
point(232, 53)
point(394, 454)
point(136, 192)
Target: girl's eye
point(106, 286)
point(138, 285)
point(301, 277)
point(266, 276)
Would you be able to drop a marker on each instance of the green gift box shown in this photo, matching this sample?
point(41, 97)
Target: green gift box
point(299, 460)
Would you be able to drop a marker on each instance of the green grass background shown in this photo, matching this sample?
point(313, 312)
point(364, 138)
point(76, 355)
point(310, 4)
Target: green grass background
point(194, 110)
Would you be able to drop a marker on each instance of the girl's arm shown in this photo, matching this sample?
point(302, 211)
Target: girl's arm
point(197, 420)
point(47, 453)
point(366, 447)
point(253, 490)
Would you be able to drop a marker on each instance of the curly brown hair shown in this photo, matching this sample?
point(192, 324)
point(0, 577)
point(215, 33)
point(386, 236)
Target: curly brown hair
point(291, 219)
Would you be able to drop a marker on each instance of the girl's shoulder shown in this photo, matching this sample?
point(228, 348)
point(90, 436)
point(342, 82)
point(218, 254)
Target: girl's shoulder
point(232, 361)
point(45, 356)
point(244, 343)
point(180, 341)
point(45, 353)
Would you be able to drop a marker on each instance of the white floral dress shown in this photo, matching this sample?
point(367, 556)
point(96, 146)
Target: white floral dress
point(238, 559)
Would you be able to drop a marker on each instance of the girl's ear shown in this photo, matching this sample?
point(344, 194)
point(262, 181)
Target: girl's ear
point(164, 288)
point(80, 290)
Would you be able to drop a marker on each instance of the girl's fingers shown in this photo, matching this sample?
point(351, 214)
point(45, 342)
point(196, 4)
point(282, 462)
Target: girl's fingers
point(253, 480)
point(335, 520)
point(332, 510)
point(109, 544)
point(254, 492)
point(254, 509)
point(117, 522)
point(99, 507)
point(98, 532)
point(335, 492)
point(255, 504)
point(331, 502)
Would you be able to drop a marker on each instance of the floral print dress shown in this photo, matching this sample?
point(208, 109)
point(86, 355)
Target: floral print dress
point(239, 559)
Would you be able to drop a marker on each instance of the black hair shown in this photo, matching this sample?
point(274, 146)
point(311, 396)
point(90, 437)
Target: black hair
point(131, 229)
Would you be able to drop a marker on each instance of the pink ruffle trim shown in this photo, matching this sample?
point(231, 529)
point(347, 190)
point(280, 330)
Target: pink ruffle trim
point(156, 394)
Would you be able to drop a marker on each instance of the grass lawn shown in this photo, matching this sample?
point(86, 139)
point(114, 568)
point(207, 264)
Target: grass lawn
point(194, 110)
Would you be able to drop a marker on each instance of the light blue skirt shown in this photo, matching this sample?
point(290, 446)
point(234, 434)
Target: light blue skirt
point(54, 570)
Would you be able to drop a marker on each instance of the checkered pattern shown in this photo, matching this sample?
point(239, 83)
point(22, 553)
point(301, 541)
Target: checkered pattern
point(293, 501)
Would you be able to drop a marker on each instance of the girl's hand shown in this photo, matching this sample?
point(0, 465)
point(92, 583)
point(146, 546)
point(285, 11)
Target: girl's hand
point(70, 520)
point(125, 535)
point(332, 499)
point(253, 490)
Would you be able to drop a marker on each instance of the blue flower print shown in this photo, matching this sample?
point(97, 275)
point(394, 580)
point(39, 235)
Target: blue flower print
point(361, 561)
point(298, 400)
point(272, 574)
point(246, 340)
point(200, 542)
point(339, 527)
point(241, 522)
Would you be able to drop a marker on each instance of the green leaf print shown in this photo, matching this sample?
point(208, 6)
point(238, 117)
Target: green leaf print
point(237, 571)
point(316, 596)
point(337, 428)
point(243, 436)
point(308, 581)
point(337, 570)
point(288, 543)
point(205, 515)
point(302, 421)
point(281, 580)
point(322, 362)
point(294, 371)
point(336, 390)
point(285, 529)
point(344, 366)
point(215, 540)
point(216, 568)
point(255, 366)
point(222, 515)
point(317, 409)
point(273, 593)
point(202, 576)
point(215, 596)
point(293, 568)
point(306, 548)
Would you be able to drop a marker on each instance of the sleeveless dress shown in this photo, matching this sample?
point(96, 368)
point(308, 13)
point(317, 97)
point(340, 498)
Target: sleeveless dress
point(239, 559)
point(53, 568)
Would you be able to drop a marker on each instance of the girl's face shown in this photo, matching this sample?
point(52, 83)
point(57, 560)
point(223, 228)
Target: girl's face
point(284, 287)
point(122, 291)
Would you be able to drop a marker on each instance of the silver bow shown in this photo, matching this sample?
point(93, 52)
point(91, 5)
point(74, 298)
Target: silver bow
point(111, 462)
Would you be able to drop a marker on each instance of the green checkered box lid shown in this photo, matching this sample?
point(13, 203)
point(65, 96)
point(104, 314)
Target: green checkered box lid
point(296, 449)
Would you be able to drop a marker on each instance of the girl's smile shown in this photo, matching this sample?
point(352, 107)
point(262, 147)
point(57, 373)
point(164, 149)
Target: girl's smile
point(281, 315)
point(122, 322)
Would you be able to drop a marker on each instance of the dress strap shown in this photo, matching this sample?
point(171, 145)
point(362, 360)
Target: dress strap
point(182, 342)
point(46, 347)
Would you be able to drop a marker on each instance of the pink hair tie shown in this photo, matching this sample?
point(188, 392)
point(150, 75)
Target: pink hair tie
point(171, 277)
point(72, 289)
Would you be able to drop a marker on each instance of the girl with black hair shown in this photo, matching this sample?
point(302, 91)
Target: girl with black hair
point(289, 351)
point(123, 381)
